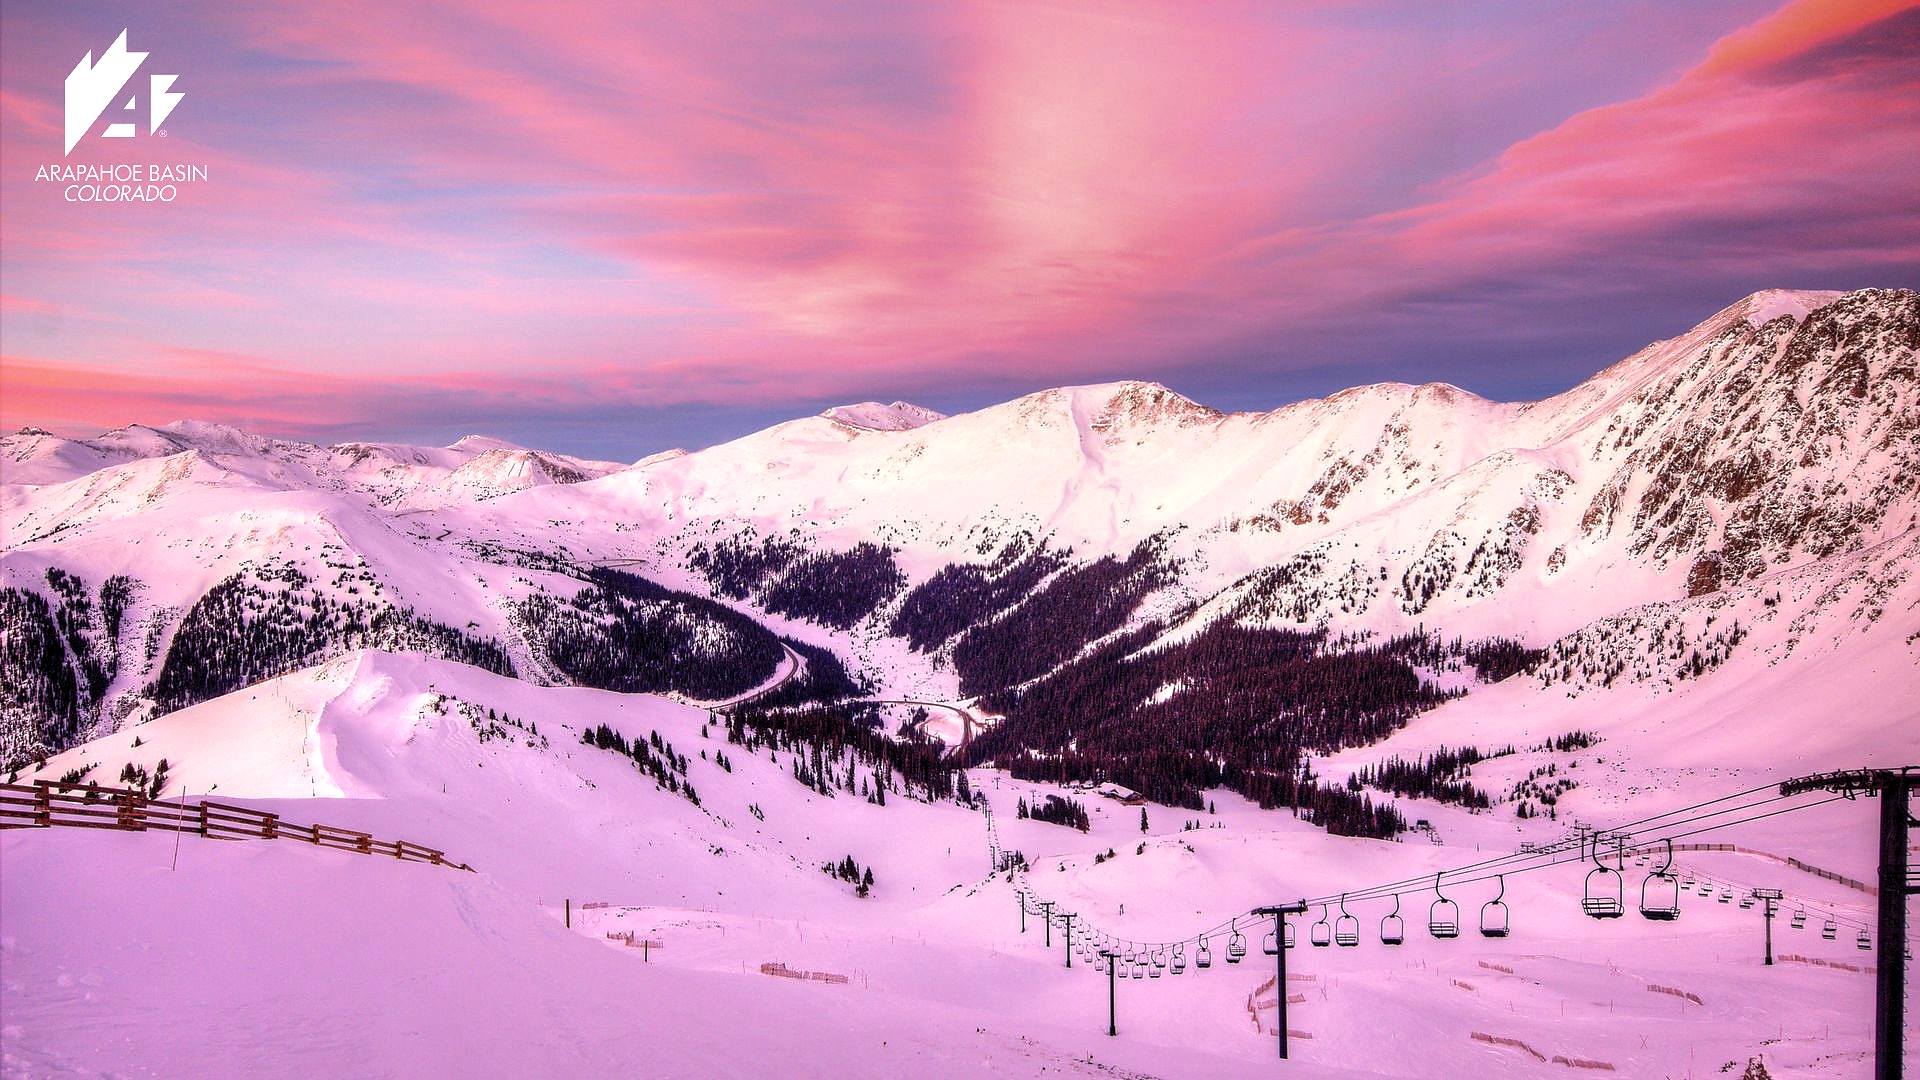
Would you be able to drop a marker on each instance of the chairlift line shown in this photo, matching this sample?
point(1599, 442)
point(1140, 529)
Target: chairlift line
point(1659, 889)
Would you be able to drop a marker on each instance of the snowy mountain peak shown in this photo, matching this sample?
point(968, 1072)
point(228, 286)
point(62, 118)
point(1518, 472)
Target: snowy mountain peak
point(873, 416)
point(480, 444)
point(1767, 305)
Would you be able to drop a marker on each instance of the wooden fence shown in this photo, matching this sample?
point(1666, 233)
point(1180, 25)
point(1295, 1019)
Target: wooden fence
point(49, 803)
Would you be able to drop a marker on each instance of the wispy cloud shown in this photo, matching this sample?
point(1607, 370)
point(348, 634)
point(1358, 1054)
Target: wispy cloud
point(637, 206)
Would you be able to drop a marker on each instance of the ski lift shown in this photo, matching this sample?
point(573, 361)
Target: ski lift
point(1495, 920)
point(1139, 966)
point(1321, 933)
point(1726, 896)
point(1746, 903)
point(1286, 934)
point(1706, 889)
point(1203, 956)
point(1659, 893)
point(1800, 920)
point(1393, 929)
point(1270, 944)
point(1156, 964)
point(1346, 929)
point(1443, 918)
point(1864, 941)
point(1179, 959)
point(1603, 896)
point(1236, 943)
point(1830, 931)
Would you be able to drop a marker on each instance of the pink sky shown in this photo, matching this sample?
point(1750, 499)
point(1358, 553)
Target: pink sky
point(619, 229)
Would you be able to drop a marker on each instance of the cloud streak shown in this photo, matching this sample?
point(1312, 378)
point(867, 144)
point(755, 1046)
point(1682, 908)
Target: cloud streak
point(414, 214)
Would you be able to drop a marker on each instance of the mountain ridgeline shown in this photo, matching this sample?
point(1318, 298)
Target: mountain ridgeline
point(1125, 586)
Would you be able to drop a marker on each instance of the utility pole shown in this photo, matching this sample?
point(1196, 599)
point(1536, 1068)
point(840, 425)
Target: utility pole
point(1068, 940)
point(1109, 956)
point(1280, 914)
point(1894, 788)
point(1767, 898)
point(1046, 908)
point(1023, 910)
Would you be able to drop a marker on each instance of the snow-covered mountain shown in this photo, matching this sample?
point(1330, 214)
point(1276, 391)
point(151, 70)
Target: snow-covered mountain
point(1403, 611)
point(1748, 486)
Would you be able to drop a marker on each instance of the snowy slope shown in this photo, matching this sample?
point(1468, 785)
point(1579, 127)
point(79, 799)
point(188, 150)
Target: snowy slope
point(373, 967)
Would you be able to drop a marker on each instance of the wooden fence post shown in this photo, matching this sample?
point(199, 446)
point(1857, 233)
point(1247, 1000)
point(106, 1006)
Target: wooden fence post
point(204, 830)
point(43, 809)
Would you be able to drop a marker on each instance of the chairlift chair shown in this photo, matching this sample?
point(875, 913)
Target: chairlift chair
point(1236, 944)
point(1830, 930)
point(1746, 903)
point(1443, 918)
point(1179, 963)
point(1864, 942)
point(1346, 929)
point(1393, 929)
point(1495, 920)
point(1604, 895)
point(1726, 896)
point(1156, 965)
point(1287, 934)
point(1799, 920)
point(1321, 933)
point(1270, 944)
point(1660, 893)
point(1203, 956)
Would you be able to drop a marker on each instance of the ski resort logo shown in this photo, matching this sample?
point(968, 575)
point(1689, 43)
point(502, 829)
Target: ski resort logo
point(92, 86)
point(104, 96)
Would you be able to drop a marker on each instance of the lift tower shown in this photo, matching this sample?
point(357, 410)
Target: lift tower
point(1892, 787)
point(1280, 913)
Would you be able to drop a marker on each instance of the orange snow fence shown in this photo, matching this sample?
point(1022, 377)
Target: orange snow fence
point(1837, 965)
point(1675, 992)
point(1582, 1063)
point(781, 970)
point(1502, 1040)
point(1462, 985)
point(1501, 968)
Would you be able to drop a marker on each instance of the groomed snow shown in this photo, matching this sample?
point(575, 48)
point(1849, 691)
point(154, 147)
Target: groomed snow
point(276, 958)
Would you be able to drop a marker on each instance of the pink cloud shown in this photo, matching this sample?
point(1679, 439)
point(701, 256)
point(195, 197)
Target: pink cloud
point(656, 205)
